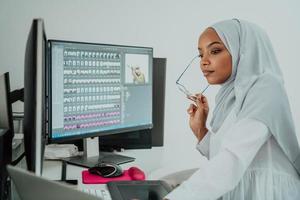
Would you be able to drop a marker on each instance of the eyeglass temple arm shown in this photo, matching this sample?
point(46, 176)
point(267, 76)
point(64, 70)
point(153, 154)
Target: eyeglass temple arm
point(205, 89)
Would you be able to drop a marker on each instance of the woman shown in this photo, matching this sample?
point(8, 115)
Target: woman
point(251, 151)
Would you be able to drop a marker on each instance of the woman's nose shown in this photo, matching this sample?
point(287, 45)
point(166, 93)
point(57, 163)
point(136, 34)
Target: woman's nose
point(204, 62)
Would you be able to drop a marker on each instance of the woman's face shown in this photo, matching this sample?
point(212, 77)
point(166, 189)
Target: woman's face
point(216, 63)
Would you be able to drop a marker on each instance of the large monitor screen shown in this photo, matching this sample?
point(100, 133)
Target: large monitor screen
point(98, 89)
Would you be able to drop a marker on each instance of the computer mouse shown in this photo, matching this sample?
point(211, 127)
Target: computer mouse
point(106, 170)
point(136, 173)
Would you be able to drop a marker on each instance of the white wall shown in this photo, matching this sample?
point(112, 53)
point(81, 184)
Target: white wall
point(170, 27)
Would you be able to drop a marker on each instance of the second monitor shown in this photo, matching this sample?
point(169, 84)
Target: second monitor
point(98, 89)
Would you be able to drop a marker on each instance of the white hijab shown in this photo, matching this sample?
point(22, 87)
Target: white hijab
point(255, 88)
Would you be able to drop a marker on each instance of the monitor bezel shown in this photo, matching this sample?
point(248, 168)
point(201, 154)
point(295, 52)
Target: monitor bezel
point(35, 94)
point(96, 133)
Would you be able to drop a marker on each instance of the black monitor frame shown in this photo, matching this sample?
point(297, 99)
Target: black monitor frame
point(35, 94)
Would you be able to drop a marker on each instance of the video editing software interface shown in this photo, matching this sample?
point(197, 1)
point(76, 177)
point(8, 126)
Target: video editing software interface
point(97, 88)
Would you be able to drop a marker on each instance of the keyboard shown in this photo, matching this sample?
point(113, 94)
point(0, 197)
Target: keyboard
point(101, 193)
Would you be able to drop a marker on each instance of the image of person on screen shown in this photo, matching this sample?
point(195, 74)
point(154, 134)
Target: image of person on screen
point(138, 75)
point(250, 151)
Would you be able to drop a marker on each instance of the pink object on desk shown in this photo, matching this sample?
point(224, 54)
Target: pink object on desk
point(136, 174)
point(133, 173)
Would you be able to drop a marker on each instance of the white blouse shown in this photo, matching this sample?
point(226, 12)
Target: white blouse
point(242, 161)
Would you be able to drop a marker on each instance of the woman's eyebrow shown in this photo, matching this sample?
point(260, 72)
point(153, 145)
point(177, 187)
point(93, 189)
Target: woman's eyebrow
point(210, 44)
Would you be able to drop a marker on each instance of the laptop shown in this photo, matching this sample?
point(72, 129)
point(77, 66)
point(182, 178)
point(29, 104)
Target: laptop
point(32, 187)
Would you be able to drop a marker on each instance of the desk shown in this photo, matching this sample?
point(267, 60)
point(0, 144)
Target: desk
point(148, 160)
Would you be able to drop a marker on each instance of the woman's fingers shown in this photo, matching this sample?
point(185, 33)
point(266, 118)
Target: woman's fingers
point(205, 102)
point(199, 95)
point(199, 100)
point(202, 99)
point(201, 104)
point(191, 109)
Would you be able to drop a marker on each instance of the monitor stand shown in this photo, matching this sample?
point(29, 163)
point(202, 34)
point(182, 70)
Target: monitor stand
point(92, 156)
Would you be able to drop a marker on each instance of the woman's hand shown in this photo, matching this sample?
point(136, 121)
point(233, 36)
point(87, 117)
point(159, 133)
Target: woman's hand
point(198, 116)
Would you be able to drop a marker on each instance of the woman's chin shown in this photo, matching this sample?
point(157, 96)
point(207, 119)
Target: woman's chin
point(212, 81)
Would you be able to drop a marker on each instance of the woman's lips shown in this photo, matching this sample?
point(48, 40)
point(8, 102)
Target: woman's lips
point(207, 73)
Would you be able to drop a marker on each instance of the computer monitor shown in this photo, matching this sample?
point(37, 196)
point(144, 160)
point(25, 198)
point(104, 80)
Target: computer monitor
point(98, 89)
point(6, 134)
point(34, 125)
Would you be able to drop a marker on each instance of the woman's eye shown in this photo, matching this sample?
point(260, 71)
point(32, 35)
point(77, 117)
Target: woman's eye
point(215, 51)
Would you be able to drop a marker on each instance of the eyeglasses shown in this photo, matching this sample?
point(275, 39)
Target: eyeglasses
point(182, 88)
